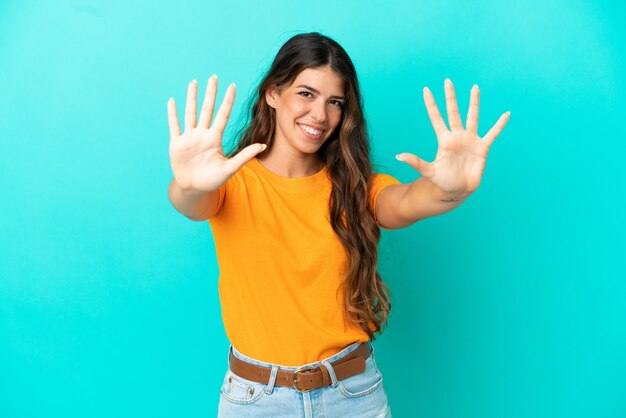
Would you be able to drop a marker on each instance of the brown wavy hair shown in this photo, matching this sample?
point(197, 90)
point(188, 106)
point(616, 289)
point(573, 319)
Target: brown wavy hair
point(347, 157)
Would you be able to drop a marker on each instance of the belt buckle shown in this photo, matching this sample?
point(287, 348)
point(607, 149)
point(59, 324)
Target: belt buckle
point(295, 378)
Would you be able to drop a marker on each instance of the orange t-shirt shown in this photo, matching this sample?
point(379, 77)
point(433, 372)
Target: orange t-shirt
point(281, 264)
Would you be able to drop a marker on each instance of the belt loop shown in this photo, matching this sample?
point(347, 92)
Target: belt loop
point(331, 372)
point(270, 385)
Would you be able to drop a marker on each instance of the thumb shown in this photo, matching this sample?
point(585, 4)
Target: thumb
point(414, 161)
point(246, 155)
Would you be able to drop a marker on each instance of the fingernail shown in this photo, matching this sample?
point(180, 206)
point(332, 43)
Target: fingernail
point(448, 81)
point(398, 157)
point(475, 86)
point(194, 81)
point(263, 146)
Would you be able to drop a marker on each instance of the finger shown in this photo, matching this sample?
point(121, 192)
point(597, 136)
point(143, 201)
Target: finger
point(414, 161)
point(497, 128)
point(208, 105)
point(454, 118)
point(190, 108)
point(224, 112)
point(245, 155)
point(472, 113)
point(439, 125)
point(172, 119)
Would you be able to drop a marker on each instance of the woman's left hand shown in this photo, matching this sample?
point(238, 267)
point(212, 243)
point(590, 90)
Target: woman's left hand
point(461, 156)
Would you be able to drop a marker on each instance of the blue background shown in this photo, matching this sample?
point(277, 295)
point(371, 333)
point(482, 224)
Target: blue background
point(512, 305)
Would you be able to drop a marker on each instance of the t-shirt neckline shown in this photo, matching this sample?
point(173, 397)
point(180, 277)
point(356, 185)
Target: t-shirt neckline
point(295, 183)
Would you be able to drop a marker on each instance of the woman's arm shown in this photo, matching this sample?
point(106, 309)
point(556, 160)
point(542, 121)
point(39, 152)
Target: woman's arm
point(196, 205)
point(196, 155)
point(401, 205)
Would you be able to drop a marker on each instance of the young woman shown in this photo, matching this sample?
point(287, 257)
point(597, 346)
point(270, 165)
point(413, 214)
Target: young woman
point(296, 212)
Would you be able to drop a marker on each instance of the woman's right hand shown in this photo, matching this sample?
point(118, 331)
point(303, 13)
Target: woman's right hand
point(197, 157)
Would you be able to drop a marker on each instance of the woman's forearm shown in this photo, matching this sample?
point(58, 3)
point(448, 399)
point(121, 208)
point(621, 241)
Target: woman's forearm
point(195, 205)
point(422, 199)
point(401, 205)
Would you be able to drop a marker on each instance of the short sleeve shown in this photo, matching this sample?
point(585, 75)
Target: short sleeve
point(229, 190)
point(378, 182)
point(220, 198)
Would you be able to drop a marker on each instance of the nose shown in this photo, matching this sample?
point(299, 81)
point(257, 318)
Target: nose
point(318, 111)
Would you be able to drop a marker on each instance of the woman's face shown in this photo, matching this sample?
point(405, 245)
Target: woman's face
point(307, 111)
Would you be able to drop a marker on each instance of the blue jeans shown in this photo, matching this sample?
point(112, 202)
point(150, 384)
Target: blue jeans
point(360, 396)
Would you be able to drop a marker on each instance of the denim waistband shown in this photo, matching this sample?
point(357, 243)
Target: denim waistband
point(331, 359)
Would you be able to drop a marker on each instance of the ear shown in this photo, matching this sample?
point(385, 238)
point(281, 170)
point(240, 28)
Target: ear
point(270, 97)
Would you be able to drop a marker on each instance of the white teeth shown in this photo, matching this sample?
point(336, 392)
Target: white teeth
point(311, 130)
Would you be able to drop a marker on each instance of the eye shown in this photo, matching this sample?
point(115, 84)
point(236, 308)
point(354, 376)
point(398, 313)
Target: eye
point(305, 92)
point(338, 103)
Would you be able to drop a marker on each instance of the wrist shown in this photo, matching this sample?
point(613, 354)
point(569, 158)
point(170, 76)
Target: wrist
point(188, 191)
point(441, 195)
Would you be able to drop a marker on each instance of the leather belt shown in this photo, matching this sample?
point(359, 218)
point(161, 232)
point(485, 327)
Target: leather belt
point(304, 378)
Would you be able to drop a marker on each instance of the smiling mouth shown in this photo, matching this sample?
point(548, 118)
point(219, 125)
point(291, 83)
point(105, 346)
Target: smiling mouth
point(311, 132)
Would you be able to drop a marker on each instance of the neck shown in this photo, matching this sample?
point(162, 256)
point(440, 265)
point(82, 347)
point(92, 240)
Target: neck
point(291, 164)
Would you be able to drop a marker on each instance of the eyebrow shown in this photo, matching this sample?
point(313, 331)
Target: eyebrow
point(317, 92)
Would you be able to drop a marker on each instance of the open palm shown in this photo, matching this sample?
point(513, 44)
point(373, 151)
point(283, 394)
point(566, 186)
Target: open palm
point(461, 155)
point(196, 156)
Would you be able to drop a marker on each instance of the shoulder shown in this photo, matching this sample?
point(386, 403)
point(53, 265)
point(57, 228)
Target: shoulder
point(379, 181)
